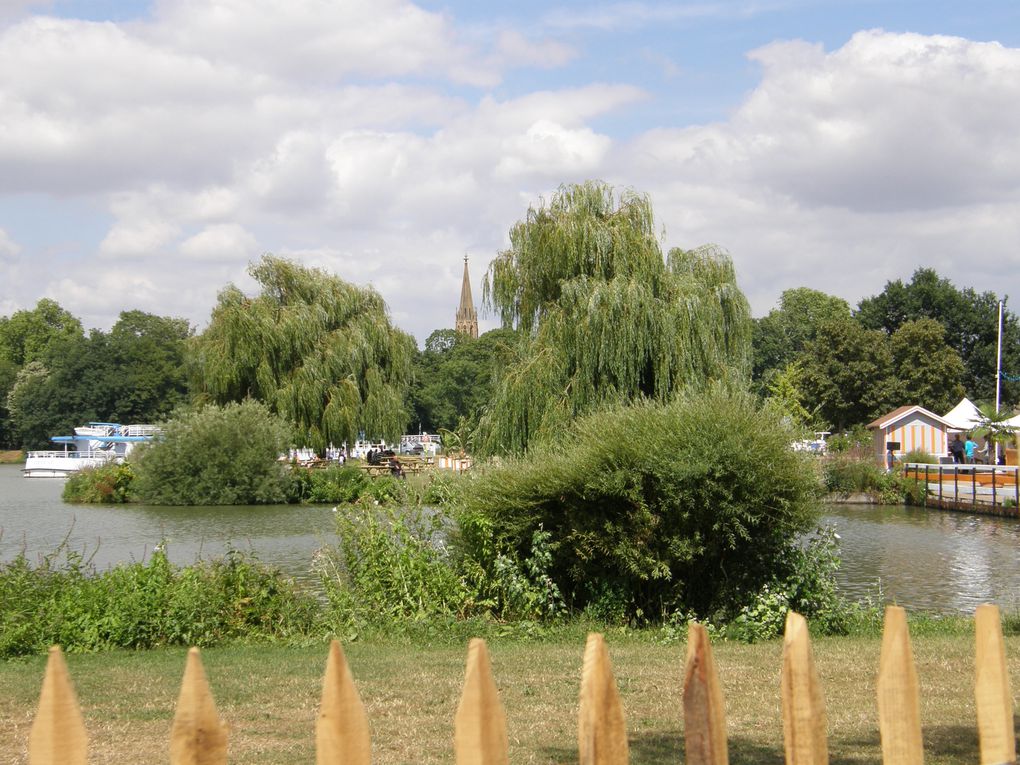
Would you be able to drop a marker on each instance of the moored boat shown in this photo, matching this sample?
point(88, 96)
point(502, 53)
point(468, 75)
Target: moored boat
point(91, 445)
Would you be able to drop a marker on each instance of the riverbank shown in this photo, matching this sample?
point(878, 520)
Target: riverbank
point(269, 698)
point(12, 457)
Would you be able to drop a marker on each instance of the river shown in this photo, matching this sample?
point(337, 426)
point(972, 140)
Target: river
point(924, 559)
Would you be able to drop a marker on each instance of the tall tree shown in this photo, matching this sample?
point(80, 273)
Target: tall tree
point(454, 377)
point(847, 374)
point(26, 335)
point(149, 353)
point(606, 318)
point(316, 349)
point(780, 335)
point(970, 319)
point(928, 371)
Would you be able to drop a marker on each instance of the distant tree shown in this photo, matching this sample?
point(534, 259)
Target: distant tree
point(784, 391)
point(848, 374)
point(970, 319)
point(927, 370)
point(319, 351)
point(454, 377)
point(26, 335)
point(149, 354)
point(8, 374)
point(779, 336)
point(605, 318)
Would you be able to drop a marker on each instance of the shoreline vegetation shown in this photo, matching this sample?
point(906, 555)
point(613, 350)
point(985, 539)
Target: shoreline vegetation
point(11, 456)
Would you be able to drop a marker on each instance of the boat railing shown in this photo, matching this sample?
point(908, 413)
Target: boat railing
point(140, 430)
point(77, 455)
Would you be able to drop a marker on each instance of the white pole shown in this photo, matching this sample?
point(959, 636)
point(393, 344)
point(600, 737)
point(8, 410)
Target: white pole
point(998, 363)
point(998, 377)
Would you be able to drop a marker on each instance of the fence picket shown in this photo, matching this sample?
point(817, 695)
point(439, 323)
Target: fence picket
point(899, 712)
point(601, 729)
point(58, 734)
point(992, 694)
point(480, 726)
point(341, 730)
point(804, 721)
point(197, 736)
point(704, 713)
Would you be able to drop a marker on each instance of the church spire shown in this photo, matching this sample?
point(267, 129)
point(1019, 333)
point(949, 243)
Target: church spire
point(467, 319)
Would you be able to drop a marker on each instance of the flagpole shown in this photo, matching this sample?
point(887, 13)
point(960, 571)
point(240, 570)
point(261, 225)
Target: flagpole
point(998, 376)
point(998, 363)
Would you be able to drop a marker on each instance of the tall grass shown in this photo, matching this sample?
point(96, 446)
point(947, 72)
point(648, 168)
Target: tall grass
point(64, 599)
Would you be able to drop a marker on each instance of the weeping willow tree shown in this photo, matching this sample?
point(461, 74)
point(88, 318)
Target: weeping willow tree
point(321, 352)
point(606, 318)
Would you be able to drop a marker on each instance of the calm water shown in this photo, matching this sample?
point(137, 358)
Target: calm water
point(33, 518)
point(923, 559)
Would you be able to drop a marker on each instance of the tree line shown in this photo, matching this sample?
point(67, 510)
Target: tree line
point(594, 314)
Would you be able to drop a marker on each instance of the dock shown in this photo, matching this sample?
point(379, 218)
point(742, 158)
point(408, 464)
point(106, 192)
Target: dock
point(986, 489)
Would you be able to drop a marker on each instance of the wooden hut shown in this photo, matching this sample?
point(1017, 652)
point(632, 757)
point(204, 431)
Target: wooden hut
point(910, 428)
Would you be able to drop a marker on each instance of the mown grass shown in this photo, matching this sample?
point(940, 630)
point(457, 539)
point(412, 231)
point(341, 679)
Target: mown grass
point(268, 695)
point(11, 457)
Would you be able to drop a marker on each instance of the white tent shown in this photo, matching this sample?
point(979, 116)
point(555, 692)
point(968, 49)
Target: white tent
point(964, 416)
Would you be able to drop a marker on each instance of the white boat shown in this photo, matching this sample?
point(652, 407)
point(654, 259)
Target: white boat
point(91, 445)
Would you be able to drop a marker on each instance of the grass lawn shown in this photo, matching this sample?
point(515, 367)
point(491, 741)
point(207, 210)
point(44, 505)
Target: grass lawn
point(11, 457)
point(268, 696)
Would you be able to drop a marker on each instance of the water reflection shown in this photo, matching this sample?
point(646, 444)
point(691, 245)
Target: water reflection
point(927, 559)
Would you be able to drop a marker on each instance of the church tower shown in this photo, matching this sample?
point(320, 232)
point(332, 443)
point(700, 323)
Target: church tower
point(467, 319)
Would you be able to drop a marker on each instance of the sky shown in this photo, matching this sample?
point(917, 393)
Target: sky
point(150, 151)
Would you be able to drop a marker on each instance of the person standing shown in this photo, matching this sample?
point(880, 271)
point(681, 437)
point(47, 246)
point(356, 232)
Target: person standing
point(969, 447)
point(957, 449)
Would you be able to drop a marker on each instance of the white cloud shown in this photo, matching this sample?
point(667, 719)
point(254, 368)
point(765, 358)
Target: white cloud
point(350, 136)
point(845, 169)
point(9, 249)
point(226, 242)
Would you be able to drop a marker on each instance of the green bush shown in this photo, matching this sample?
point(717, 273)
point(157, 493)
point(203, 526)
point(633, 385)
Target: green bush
point(857, 438)
point(336, 484)
point(390, 566)
point(216, 456)
point(64, 600)
point(651, 508)
point(106, 484)
point(920, 456)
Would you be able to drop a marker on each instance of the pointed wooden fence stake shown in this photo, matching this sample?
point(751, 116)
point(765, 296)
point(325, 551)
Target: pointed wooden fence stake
point(804, 722)
point(993, 698)
point(197, 736)
point(480, 727)
point(58, 732)
point(601, 730)
point(899, 710)
point(704, 712)
point(341, 731)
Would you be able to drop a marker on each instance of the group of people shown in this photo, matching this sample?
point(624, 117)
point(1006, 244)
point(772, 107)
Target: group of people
point(387, 456)
point(967, 452)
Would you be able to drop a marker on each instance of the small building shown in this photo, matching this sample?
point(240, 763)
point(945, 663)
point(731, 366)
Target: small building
point(910, 428)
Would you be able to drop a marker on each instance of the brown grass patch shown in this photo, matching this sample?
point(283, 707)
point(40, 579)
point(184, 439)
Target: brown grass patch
point(269, 697)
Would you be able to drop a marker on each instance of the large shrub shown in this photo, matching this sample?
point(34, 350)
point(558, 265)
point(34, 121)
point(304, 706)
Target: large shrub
point(216, 456)
point(106, 484)
point(692, 506)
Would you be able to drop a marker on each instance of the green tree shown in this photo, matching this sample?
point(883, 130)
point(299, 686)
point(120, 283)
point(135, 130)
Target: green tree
point(778, 337)
point(148, 353)
point(606, 319)
point(970, 319)
point(216, 456)
point(316, 349)
point(454, 377)
point(26, 335)
point(848, 374)
point(928, 371)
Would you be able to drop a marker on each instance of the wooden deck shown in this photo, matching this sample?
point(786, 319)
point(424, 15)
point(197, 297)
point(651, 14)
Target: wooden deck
point(992, 489)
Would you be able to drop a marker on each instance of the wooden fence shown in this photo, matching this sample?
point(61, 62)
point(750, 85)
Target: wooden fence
point(480, 737)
